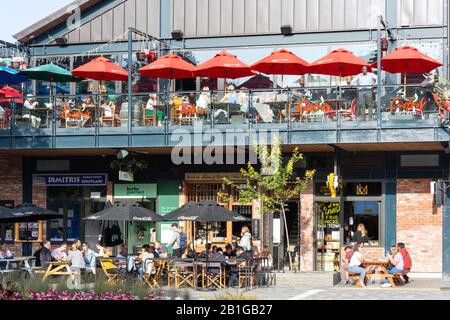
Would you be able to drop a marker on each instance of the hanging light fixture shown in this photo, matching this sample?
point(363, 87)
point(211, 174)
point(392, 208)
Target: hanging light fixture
point(384, 44)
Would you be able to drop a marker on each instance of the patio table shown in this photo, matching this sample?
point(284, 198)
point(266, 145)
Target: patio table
point(376, 269)
point(24, 261)
point(61, 268)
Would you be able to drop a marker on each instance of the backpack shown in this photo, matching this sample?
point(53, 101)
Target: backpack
point(183, 240)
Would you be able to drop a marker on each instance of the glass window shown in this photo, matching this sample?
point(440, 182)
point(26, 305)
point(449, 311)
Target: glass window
point(7, 229)
point(365, 213)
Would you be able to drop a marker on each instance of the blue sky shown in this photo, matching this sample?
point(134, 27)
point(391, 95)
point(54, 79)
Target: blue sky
point(24, 13)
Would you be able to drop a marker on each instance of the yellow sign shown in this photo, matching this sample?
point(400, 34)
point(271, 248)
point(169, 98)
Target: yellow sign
point(362, 190)
point(330, 184)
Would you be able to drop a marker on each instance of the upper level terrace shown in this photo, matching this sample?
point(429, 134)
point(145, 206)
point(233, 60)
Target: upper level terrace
point(299, 116)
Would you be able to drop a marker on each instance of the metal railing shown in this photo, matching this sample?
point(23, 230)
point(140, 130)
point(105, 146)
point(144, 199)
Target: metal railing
point(315, 108)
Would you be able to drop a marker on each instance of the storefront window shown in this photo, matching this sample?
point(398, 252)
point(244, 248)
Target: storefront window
point(7, 229)
point(366, 213)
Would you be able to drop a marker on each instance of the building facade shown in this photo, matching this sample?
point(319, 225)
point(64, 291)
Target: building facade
point(387, 166)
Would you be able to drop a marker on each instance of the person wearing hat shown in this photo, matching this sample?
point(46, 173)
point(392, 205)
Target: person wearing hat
point(29, 105)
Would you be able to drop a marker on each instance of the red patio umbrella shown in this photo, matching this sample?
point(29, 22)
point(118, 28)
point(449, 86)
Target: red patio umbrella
point(340, 62)
point(408, 59)
point(169, 66)
point(7, 93)
point(101, 69)
point(282, 62)
point(224, 65)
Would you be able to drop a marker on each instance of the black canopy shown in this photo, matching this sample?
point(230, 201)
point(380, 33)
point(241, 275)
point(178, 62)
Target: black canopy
point(204, 211)
point(28, 212)
point(125, 211)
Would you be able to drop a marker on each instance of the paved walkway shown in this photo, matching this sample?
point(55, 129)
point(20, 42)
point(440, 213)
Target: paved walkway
point(421, 289)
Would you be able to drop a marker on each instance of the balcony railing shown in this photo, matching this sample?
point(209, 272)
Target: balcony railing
point(321, 108)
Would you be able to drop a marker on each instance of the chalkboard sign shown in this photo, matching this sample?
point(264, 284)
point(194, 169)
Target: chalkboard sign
point(328, 214)
point(30, 233)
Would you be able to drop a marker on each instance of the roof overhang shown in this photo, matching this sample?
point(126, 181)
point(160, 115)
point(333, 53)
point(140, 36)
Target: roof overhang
point(52, 20)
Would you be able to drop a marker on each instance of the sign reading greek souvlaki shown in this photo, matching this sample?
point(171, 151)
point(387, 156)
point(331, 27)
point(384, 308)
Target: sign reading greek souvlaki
point(70, 180)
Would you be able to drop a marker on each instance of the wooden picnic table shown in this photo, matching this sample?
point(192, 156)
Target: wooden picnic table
point(24, 261)
point(58, 268)
point(376, 269)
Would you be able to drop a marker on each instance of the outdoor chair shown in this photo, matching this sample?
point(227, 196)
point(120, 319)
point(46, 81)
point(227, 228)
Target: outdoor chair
point(214, 275)
point(349, 114)
point(182, 273)
point(247, 276)
point(112, 121)
point(149, 117)
point(110, 270)
point(153, 273)
point(443, 110)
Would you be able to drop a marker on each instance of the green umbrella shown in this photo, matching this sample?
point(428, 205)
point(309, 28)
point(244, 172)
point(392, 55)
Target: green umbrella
point(50, 72)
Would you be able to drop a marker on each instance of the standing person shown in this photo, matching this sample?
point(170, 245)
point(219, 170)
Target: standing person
point(407, 262)
point(175, 241)
point(396, 259)
point(361, 235)
point(348, 253)
point(183, 239)
point(89, 258)
point(365, 82)
point(356, 264)
point(76, 259)
point(246, 239)
point(153, 236)
point(59, 254)
point(45, 255)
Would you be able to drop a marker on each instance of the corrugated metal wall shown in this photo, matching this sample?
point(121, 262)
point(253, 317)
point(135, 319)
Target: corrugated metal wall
point(143, 15)
point(234, 17)
point(420, 12)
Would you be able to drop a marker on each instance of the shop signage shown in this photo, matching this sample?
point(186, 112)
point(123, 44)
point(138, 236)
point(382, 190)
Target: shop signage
point(135, 191)
point(362, 190)
point(213, 177)
point(70, 180)
point(329, 214)
point(126, 176)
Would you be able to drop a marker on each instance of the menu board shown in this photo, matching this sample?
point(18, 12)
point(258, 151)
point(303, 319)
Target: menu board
point(328, 214)
point(30, 233)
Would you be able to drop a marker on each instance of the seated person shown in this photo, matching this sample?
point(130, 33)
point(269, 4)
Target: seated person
point(59, 254)
point(407, 262)
point(89, 257)
point(356, 262)
point(5, 253)
point(150, 108)
point(29, 105)
point(207, 252)
point(204, 100)
point(229, 252)
point(348, 253)
point(230, 95)
point(189, 252)
point(246, 258)
point(161, 250)
point(76, 259)
point(243, 99)
point(396, 260)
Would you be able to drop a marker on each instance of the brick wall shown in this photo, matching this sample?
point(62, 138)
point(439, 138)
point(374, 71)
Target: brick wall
point(307, 230)
point(417, 226)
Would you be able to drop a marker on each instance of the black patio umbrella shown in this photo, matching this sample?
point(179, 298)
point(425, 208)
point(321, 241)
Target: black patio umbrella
point(27, 212)
point(204, 211)
point(127, 212)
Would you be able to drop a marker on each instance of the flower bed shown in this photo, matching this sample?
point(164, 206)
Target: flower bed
point(74, 295)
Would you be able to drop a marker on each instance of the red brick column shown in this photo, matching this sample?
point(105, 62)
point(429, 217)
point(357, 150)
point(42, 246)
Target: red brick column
point(11, 178)
point(417, 226)
point(307, 230)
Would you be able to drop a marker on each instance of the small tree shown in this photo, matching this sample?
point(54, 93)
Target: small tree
point(275, 184)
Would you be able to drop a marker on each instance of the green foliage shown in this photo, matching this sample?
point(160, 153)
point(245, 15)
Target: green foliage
point(276, 183)
point(129, 165)
point(233, 296)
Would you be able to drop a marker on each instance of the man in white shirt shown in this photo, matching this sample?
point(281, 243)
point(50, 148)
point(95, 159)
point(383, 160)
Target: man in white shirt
point(29, 105)
point(365, 82)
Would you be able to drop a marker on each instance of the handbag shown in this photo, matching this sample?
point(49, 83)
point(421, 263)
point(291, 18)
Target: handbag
point(115, 236)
